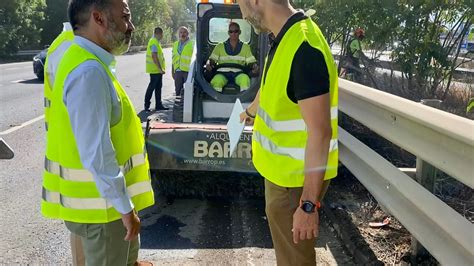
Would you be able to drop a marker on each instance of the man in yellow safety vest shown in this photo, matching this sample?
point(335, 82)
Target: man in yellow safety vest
point(182, 54)
point(155, 66)
point(232, 51)
point(96, 174)
point(294, 143)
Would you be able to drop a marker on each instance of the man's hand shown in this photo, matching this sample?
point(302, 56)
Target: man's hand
point(305, 225)
point(132, 224)
point(208, 67)
point(245, 117)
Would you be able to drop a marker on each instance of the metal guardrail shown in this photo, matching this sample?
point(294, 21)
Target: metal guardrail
point(27, 52)
point(444, 140)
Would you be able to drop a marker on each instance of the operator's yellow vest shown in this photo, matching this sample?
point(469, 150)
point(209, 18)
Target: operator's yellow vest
point(151, 67)
point(65, 36)
point(280, 135)
point(243, 58)
point(69, 190)
point(183, 60)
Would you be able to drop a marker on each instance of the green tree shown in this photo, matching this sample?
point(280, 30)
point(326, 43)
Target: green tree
point(183, 13)
point(20, 25)
point(55, 15)
point(428, 34)
point(429, 39)
point(148, 14)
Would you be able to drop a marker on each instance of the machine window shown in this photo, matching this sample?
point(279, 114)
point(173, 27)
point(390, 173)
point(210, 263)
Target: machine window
point(218, 29)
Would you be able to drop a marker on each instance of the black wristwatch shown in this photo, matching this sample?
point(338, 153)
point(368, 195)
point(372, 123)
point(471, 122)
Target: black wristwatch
point(308, 206)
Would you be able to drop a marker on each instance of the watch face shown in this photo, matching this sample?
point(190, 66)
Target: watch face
point(307, 207)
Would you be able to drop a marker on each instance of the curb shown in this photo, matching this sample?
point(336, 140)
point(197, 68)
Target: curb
point(349, 235)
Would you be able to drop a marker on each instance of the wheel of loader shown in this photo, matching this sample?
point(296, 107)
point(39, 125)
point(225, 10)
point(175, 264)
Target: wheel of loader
point(178, 107)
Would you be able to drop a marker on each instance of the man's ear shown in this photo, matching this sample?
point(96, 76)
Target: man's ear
point(98, 17)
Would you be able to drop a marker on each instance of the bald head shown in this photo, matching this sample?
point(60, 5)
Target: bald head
point(266, 15)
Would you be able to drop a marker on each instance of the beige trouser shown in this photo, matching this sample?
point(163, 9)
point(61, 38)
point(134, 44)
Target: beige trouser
point(78, 258)
point(280, 205)
point(104, 244)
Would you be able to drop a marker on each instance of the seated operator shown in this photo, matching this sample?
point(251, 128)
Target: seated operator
point(232, 51)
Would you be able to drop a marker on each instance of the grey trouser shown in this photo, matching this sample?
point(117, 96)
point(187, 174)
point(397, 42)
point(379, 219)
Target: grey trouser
point(179, 80)
point(103, 244)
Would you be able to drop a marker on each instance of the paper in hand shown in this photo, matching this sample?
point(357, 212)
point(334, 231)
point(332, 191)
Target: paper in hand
point(234, 126)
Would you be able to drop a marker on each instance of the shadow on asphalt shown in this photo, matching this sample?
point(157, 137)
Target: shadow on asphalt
point(157, 115)
point(143, 115)
point(223, 224)
point(31, 81)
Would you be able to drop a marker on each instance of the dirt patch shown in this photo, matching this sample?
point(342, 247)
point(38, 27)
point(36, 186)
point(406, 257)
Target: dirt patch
point(351, 204)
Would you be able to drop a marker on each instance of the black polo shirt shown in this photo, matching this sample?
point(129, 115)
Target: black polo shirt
point(309, 75)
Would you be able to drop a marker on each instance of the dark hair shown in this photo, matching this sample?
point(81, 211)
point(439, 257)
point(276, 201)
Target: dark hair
point(235, 24)
point(78, 10)
point(158, 30)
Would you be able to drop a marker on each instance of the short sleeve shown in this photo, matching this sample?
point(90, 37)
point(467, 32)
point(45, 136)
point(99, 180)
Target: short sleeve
point(309, 75)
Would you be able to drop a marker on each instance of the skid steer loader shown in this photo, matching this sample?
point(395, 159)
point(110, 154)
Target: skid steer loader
point(191, 155)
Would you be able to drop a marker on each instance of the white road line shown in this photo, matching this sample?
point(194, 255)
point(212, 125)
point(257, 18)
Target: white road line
point(15, 64)
point(18, 81)
point(13, 129)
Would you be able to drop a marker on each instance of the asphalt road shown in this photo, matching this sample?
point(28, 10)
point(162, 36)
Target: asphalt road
point(187, 232)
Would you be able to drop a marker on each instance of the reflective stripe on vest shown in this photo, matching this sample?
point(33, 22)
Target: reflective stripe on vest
point(229, 69)
point(83, 175)
point(289, 125)
point(295, 153)
point(92, 203)
point(220, 56)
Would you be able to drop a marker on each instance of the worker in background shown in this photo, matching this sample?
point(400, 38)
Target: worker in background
point(155, 66)
point(182, 54)
point(294, 142)
point(355, 54)
point(96, 175)
point(55, 52)
point(232, 51)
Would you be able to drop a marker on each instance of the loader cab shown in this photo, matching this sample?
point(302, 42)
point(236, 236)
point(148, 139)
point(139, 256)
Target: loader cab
point(208, 105)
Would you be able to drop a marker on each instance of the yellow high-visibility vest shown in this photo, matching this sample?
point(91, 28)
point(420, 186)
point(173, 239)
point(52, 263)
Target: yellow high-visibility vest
point(183, 60)
point(64, 38)
point(280, 134)
point(151, 67)
point(243, 58)
point(69, 190)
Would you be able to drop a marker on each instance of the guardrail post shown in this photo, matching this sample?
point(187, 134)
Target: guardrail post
point(426, 176)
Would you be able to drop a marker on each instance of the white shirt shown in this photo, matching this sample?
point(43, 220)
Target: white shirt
point(93, 106)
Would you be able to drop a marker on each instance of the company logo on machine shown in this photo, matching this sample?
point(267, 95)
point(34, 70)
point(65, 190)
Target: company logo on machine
point(217, 145)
